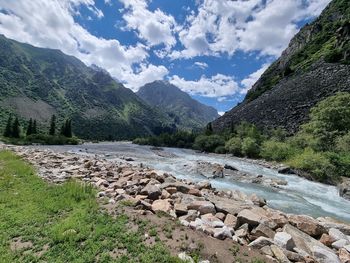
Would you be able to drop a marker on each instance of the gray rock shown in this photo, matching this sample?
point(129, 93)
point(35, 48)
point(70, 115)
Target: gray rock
point(152, 191)
point(337, 234)
point(261, 242)
point(186, 258)
point(324, 255)
point(340, 243)
point(263, 231)
point(279, 254)
point(204, 207)
point(284, 240)
point(223, 233)
point(249, 217)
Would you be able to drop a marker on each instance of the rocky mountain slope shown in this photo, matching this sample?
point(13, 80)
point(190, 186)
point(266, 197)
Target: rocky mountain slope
point(38, 82)
point(314, 66)
point(186, 112)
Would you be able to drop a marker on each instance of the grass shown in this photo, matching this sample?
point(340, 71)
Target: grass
point(64, 223)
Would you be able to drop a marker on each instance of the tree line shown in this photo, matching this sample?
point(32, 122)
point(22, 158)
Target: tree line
point(13, 128)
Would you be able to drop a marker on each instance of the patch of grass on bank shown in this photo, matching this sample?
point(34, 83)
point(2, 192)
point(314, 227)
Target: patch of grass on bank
point(41, 139)
point(62, 223)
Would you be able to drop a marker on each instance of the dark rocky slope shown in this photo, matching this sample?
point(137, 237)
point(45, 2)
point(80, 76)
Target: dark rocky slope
point(315, 65)
point(186, 112)
point(38, 82)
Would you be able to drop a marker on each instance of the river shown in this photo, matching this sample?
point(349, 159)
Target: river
point(299, 196)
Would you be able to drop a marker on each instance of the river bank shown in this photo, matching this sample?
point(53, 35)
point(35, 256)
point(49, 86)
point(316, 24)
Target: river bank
point(230, 215)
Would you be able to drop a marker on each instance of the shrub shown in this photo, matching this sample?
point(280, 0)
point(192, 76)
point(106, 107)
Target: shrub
point(245, 129)
point(317, 164)
point(250, 147)
point(208, 143)
point(333, 56)
point(304, 140)
point(330, 118)
point(276, 151)
point(220, 149)
point(234, 146)
point(343, 143)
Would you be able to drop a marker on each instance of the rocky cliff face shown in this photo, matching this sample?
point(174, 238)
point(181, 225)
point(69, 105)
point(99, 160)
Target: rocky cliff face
point(314, 66)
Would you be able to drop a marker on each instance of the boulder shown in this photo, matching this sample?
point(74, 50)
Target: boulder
point(279, 254)
point(180, 187)
point(152, 191)
point(257, 200)
point(347, 247)
point(340, 243)
point(329, 223)
point(249, 217)
point(165, 194)
point(292, 256)
point(185, 258)
point(161, 205)
point(230, 167)
point(344, 256)
point(222, 233)
point(307, 224)
point(324, 255)
point(230, 221)
point(344, 189)
point(242, 231)
point(227, 206)
point(284, 240)
point(220, 215)
point(204, 185)
point(204, 207)
point(180, 209)
point(267, 251)
point(305, 243)
point(212, 221)
point(261, 242)
point(195, 192)
point(263, 231)
point(327, 240)
point(336, 234)
point(285, 170)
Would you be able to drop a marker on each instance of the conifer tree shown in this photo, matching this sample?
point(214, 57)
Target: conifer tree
point(209, 129)
point(8, 128)
point(16, 129)
point(34, 130)
point(69, 129)
point(30, 127)
point(52, 129)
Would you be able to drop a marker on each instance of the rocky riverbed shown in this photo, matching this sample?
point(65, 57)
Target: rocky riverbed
point(230, 215)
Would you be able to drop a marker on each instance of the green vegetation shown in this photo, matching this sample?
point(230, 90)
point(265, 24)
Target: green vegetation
point(63, 223)
point(321, 148)
point(13, 133)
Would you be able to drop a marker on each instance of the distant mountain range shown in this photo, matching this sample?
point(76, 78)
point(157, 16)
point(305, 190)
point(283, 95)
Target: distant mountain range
point(39, 82)
point(315, 65)
point(185, 112)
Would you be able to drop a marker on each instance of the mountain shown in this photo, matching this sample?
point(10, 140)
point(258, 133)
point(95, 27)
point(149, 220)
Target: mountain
point(314, 66)
point(186, 112)
point(38, 82)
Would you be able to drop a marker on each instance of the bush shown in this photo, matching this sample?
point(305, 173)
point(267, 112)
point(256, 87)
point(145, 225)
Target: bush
point(343, 143)
point(234, 146)
point(245, 129)
point(208, 143)
point(333, 56)
point(304, 140)
point(315, 163)
point(220, 149)
point(250, 147)
point(276, 151)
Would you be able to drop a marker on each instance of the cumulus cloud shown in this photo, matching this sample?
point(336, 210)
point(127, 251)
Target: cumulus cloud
point(215, 86)
point(154, 27)
point(51, 24)
point(223, 27)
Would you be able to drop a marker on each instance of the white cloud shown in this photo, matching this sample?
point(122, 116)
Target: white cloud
point(227, 26)
point(154, 27)
point(248, 82)
point(50, 24)
point(201, 65)
point(215, 86)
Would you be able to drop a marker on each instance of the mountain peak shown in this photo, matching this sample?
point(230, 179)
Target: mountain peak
point(186, 111)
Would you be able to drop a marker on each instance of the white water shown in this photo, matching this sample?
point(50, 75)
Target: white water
point(299, 196)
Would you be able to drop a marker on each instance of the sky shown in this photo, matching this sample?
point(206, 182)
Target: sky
point(215, 50)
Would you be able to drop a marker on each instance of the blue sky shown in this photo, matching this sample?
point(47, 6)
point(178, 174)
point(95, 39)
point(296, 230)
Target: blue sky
point(214, 50)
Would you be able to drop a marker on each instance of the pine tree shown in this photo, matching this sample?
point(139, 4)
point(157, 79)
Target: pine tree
point(34, 130)
point(209, 129)
point(69, 129)
point(52, 130)
point(30, 127)
point(8, 129)
point(16, 129)
point(63, 129)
